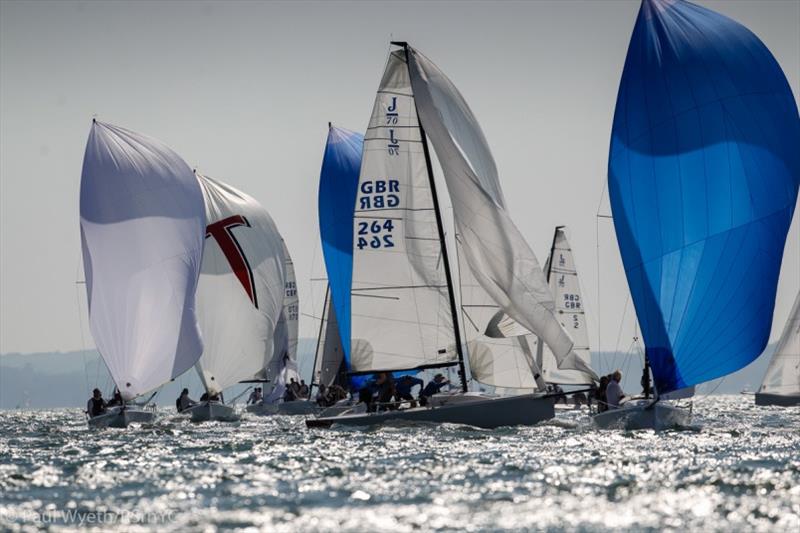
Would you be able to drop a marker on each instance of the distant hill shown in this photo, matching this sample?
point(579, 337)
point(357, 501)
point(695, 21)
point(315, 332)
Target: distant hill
point(65, 379)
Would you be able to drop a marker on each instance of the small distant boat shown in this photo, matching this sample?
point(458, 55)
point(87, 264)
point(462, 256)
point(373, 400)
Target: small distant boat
point(142, 222)
point(781, 384)
point(240, 295)
point(703, 179)
point(403, 314)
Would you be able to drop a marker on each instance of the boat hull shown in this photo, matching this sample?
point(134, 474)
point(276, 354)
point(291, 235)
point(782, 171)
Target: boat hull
point(479, 411)
point(118, 417)
point(643, 415)
point(783, 400)
point(298, 407)
point(212, 411)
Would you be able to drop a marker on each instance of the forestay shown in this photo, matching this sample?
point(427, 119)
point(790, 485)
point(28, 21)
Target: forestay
point(142, 222)
point(240, 296)
point(400, 313)
point(495, 251)
point(783, 374)
point(703, 178)
point(562, 277)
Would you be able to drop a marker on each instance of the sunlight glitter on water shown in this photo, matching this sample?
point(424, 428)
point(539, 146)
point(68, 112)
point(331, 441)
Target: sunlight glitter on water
point(738, 468)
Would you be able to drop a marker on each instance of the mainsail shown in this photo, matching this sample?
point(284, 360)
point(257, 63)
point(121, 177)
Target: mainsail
point(562, 276)
point(329, 358)
point(401, 305)
point(284, 353)
point(338, 186)
point(240, 295)
point(496, 253)
point(783, 374)
point(703, 178)
point(142, 222)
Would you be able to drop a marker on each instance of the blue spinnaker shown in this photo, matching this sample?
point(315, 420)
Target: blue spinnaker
point(703, 174)
point(338, 186)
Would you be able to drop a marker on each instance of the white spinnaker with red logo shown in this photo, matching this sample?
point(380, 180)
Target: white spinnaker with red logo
point(142, 223)
point(240, 295)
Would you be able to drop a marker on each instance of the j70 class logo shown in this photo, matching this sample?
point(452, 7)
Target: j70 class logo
point(222, 232)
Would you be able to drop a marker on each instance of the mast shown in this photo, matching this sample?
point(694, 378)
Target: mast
point(440, 226)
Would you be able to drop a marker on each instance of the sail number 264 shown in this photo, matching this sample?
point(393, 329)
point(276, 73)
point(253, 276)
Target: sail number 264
point(375, 234)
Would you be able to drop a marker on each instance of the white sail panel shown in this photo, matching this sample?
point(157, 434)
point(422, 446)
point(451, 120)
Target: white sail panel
point(284, 354)
point(330, 354)
point(240, 295)
point(783, 374)
point(142, 223)
point(570, 312)
point(401, 317)
point(495, 250)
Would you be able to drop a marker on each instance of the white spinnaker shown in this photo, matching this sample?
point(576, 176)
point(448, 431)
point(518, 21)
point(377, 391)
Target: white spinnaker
point(240, 294)
point(495, 250)
point(783, 374)
point(401, 317)
point(329, 356)
point(570, 312)
point(142, 223)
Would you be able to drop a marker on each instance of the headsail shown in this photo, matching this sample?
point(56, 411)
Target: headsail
point(562, 276)
point(401, 316)
point(496, 252)
point(783, 374)
point(284, 353)
point(703, 179)
point(329, 358)
point(240, 296)
point(338, 186)
point(142, 221)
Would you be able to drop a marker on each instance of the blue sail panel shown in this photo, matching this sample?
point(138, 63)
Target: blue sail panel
point(704, 168)
point(338, 186)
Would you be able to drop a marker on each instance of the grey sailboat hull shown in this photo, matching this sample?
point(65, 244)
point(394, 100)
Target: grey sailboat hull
point(211, 411)
point(643, 415)
point(783, 400)
point(298, 407)
point(479, 411)
point(122, 417)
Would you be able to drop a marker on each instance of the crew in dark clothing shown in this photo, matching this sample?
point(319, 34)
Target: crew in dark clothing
point(386, 390)
point(303, 391)
point(116, 399)
point(601, 395)
point(433, 387)
point(403, 388)
point(184, 402)
point(96, 405)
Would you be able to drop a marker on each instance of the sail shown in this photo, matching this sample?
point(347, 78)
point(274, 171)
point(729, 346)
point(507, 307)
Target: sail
point(142, 220)
point(240, 295)
point(401, 316)
point(329, 359)
point(562, 277)
point(495, 250)
point(284, 352)
point(703, 176)
point(783, 374)
point(338, 186)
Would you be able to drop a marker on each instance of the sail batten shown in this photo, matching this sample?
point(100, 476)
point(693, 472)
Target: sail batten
point(703, 179)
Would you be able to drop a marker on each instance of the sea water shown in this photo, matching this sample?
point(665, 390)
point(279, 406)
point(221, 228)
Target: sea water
point(736, 469)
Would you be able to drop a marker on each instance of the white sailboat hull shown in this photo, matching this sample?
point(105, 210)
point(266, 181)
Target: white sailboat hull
point(643, 415)
point(211, 411)
point(122, 417)
point(469, 409)
point(783, 400)
point(298, 407)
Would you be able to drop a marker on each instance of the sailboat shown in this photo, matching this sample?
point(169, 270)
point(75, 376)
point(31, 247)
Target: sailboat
point(703, 178)
point(283, 367)
point(338, 186)
point(562, 278)
point(240, 295)
point(142, 224)
point(781, 384)
point(404, 312)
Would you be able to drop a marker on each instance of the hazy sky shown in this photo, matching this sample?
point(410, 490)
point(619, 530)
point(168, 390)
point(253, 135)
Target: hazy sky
point(244, 91)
